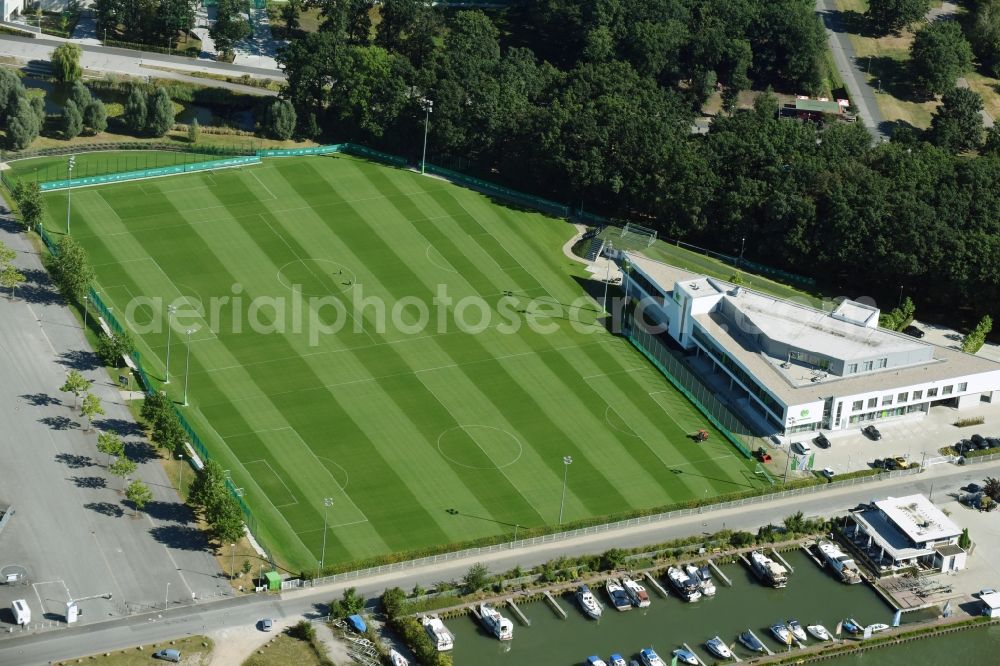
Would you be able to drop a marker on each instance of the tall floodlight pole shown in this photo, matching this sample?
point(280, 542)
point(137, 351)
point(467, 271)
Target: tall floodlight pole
point(86, 299)
point(166, 372)
point(69, 192)
point(428, 109)
point(567, 461)
point(607, 278)
point(327, 503)
point(232, 570)
point(166, 597)
point(187, 365)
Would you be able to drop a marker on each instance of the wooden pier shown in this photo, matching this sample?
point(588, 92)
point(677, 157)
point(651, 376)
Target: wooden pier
point(787, 565)
point(475, 614)
point(555, 605)
point(688, 648)
point(655, 584)
point(718, 572)
point(808, 551)
point(757, 638)
point(517, 613)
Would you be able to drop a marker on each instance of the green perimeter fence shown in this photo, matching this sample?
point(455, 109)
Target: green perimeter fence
point(703, 398)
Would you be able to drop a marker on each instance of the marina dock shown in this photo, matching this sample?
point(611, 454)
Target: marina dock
point(554, 605)
point(475, 613)
point(655, 584)
point(782, 560)
point(517, 613)
point(688, 648)
point(757, 638)
point(719, 574)
point(808, 551)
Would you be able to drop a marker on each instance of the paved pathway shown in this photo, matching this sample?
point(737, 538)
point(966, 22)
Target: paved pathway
point(860, 92)
point(310, 603)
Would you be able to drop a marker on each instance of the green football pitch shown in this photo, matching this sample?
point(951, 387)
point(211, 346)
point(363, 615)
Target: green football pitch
point(421, 431)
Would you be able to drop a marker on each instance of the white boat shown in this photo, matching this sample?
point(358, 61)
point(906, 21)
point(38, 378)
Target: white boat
point(588, 602)
point(768, 570)
point(685, 656)
point(877, 627)
point(636, 592)
point(594, 660)
point(496, 623)
point(440, 636)
point(617, 660)
point(398, 659)
point(718, 647)
point(782, 633)
point(704, 578)
point(842, 565)
point(617, 595)
point(650, 658)
point(819, 632)
point(680, 581)
point(797, 630)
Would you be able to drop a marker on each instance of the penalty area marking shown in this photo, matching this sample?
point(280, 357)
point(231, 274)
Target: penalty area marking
point(280, 480)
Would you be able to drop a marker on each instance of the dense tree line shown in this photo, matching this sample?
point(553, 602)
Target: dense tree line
point(590, 102)
point(153, 21)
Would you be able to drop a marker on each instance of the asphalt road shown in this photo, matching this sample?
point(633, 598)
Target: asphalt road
point(72, 536)
point(844, 57)
point(63, 643)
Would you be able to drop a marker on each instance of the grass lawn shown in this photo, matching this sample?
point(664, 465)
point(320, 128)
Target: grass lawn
point(193, 649)
point(420, 431)
point(283, 650)
point(98, 163)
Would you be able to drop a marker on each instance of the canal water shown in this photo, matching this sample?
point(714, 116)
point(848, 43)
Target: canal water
point(812, 596)
point(974, 646)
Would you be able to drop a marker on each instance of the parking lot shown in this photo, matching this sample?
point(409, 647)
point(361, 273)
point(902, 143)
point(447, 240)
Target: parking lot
point(72, 536)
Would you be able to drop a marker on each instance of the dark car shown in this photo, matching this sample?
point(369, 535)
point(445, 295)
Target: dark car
point(993, 442)
point(872, 432)
point(878, 463)
point(977, 439)
point(821, 441)
point(964, 447)
point(913, 331)
point(981, 443)
point(973, 488)
point(892, 464)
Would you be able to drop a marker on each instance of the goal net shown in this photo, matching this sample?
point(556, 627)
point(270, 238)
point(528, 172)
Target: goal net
point(637, 234)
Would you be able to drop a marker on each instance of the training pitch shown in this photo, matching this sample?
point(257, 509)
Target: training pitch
point(422, 432)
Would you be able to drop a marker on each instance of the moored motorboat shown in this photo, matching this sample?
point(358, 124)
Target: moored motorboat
point(750, 641)
point(496, 623)
point(594, 660)
point(650, 658)
point(682, 583)
point(588, 602)
point(781, 633)
point(851, 626)
point(398, 659)
point(819, 632)
point(685, 656)
point(617, 660)
point(797, 630)
point(703, 578)
point(837, 560)
point(768, 570)
point(877, 627)
point(636, 592)
point(616, 593)
point(439, 634)
point(718, 647)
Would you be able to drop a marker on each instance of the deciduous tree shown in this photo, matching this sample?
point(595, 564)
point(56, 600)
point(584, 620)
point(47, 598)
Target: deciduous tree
point(161, 113)
point(72, 120)
point(10, 277)
point(66, 62)
point(71, 269)
point(938, 56)
point(122, 467)
point(135, 112)
point(23, 124)
point(279, 120)
point(894, 15)
point(30, 202)
point(112, 348)
point(76, 384)
point(95, 116)
point(110, 444)
point(957, 124)
point(139, 494)
point(91, 407)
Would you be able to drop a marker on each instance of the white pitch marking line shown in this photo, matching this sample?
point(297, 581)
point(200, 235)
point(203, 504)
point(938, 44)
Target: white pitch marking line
point(278, 477)
point(252, 173)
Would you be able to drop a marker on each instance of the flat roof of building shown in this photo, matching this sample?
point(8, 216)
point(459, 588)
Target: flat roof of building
point(818, 106)
point(918, 518)
point(887, 536)
point(664, 274)
point(992, 600)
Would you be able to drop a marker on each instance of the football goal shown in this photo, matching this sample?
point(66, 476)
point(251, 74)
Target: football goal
point(640, 235)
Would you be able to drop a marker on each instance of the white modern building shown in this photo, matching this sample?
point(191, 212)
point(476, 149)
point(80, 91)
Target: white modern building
point(9, 7)
point(798, 368)
point(904, 532)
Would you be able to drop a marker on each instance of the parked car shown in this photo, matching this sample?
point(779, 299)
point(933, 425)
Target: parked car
point(994, 442)
point(266, 624)
point(977, 439)
point(891, 464)
point(973, 488)
point(821, 441)
point(986, 590)
point(963, 447)
point(982, 443)
point(901, 462)
point(168, 655)
point(872, 432)
point(801, 447)
point(878, 463)
point(828, 473)
point(913, 331)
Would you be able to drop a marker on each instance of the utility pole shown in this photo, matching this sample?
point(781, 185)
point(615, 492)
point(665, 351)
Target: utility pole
point(428, 109)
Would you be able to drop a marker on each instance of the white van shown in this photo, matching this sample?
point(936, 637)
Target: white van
point(22, 614)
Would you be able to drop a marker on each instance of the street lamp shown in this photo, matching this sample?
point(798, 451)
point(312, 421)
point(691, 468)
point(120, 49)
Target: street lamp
point(567, 461)
point(86, 299)
point(232, 570)
point(187, 365)
point(607, 278)
point(428, 109)
point(166, 372)
point(743, 245)
point(166, 597)
point(69, 192)
point(327, 503)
